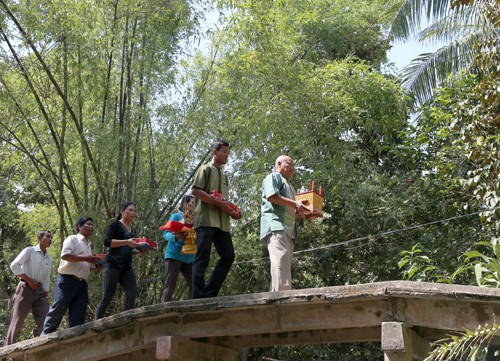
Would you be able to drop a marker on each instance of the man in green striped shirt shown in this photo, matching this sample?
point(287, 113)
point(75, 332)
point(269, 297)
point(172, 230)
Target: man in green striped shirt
point(277, 222)
point(211, 222)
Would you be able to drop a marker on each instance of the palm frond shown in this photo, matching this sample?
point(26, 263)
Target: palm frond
point(407, 16)
point(466, 28)
point(465, 346)
point(428, 70)
point(457, 24)
point(450, 27)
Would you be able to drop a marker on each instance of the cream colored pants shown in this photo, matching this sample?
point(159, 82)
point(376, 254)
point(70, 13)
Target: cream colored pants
point(280, 247)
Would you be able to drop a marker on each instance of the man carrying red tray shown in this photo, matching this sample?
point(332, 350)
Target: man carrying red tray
point(211, 222)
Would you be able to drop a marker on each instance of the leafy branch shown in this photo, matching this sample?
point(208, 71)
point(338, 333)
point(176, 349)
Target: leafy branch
point(469, 345)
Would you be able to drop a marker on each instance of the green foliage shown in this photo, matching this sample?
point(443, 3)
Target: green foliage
point(470, 345)
point(451, 150)
point(341, 352)
point(417, 266)
point(93, 112)
point(81, 124)
point(486, 267)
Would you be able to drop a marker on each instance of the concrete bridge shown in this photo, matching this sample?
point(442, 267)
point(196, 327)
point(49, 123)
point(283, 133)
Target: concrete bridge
point(403, 316)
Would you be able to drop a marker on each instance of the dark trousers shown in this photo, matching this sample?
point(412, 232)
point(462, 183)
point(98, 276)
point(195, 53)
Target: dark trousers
point(26, 300)
point(110, 279)
point(173, 268)
point(69, 294)
point(223, 243)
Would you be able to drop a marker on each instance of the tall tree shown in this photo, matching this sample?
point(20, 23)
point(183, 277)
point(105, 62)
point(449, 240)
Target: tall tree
point(84, 86)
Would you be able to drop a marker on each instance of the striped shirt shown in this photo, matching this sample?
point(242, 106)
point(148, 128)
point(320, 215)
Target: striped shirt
point(273, 216)
point(209, 177)
point(36, 265)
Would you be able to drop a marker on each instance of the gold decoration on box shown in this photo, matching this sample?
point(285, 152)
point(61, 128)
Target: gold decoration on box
point(189, 246)
point(311, 198)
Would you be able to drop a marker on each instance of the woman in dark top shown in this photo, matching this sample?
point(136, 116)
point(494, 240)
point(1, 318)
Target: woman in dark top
point(120, 240)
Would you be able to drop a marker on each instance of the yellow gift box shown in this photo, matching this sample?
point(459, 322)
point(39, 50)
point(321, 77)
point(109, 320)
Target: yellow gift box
point(311, 199)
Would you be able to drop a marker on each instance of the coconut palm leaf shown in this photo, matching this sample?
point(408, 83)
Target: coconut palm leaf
point(428, 70)
point(459, 24)
point(469, 345)
point(465, 30)
point(407, 16)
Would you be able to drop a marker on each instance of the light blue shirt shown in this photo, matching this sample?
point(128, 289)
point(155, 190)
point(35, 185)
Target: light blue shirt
point(174, 245)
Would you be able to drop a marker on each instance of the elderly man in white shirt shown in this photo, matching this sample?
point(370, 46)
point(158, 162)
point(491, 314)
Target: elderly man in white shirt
point(33, 266)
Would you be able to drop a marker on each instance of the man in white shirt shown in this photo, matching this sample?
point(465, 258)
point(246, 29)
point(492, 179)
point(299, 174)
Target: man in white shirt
point(71, 289)
point(33, 267)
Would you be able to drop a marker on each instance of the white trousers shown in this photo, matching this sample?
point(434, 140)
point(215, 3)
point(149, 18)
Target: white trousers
point(280, 247)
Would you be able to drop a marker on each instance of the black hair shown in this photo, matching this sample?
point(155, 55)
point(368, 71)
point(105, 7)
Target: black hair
point(123, 206)
point(218, 143)
point(184, 201)
point(42, 233)
point(81, 221)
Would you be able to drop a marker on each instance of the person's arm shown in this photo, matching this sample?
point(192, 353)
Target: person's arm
point(272, 185)
point(115, 243)
point(68, 252)
point(34, 285)
point(170, 237)
point(112, 233)
point(46, 279)
point(203, 196)
point(16, 268)
point(287, 202)
point(70, 257)
point(200, 182)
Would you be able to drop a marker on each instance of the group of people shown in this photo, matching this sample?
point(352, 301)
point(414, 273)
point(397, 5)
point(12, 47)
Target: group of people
point(279, 211)
point(33, 267)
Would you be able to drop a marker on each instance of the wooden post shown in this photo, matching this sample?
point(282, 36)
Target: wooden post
point(174, 348)
point(401, 343)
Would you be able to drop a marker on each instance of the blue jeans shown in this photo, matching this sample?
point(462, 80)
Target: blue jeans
point(111, 277)
point(223, 243)
point(69, 294)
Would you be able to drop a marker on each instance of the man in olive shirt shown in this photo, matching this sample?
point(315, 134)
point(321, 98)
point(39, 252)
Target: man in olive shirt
point(277, 223)
point(211, 222)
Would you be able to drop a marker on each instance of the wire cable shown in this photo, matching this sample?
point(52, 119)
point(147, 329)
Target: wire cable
point(383, 234)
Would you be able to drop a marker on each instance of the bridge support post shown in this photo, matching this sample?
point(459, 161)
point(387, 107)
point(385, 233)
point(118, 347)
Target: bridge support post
point(174, 348)
point(401, 343)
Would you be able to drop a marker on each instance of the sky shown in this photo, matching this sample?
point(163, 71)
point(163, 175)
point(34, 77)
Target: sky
point(401, 54)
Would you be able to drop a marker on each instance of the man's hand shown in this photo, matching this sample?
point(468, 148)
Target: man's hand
point(235, 215)
point(34, 285)
point(300, 208)
point(92, 259)
point(225, 207)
